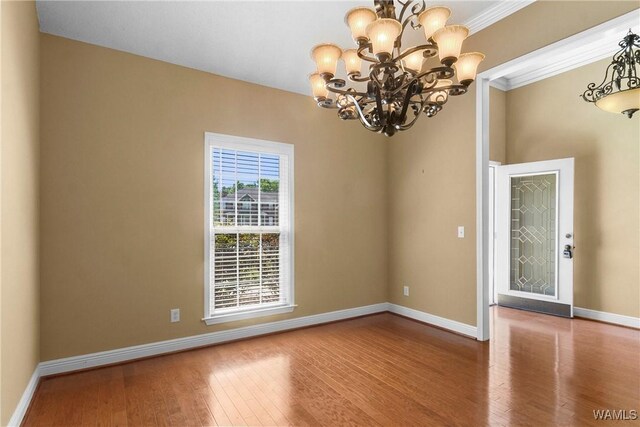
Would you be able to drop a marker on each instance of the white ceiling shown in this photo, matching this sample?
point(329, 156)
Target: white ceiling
point(263, 42)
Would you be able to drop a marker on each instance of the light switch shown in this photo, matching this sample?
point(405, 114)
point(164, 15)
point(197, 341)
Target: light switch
point(461, 232)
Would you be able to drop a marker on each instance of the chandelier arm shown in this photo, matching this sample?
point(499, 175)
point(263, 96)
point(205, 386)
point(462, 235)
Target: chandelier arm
point(416, 9)
point(412, 90)
point(404, 4)
point(443, 72)
point(374, 77)
point(416, 113)
point(429, 51)
point(333, 85)
point(413, 120)
point(362, 117)
point(402, 85)
point(363, 56)
point(457, 90)
point(405, 77)
point(436, 73)
point(327, 103)
point(594, 93)
point(357, 78)
point(633, 76)
point(382, 117)
point(633, 57)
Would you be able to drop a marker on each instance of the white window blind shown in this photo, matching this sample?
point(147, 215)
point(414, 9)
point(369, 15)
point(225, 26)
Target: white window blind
point(248, 220)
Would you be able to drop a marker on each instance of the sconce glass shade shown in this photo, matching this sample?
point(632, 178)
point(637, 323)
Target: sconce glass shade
point(440, 96)
point(413, 61)
point(382, 34)
point(357, 20)
point(449, 40)
point(626, 101)
point(352, 61)
point(318, 86)
point(326, 57)
point(433, 18)
point(467, 66)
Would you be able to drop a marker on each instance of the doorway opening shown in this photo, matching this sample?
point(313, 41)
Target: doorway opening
point(581, 49)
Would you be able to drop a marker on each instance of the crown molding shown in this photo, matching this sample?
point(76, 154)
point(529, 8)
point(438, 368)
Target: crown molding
point(501, 83)
point(494, 14)
point(582, 49)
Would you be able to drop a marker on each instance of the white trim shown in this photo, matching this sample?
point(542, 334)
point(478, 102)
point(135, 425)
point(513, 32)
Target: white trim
point(529, 61)
point(502, 83)
point(482, 208)
point(285, 227)
point(21, 410)
point(494, 14)
point(249, 314)
point(584, 48)
point(603, 316)
point(109, 357)
point(92, 360)
point(492, 232)
point(432, 319)
point(233, 142)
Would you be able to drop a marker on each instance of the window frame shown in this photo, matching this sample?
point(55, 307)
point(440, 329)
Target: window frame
point(231, 142)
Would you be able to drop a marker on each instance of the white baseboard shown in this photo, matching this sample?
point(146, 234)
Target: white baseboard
point(25, 400)
point(603, 316)
point(145, 350)
point(452, 325)
point(109, 357)
point(75, 363)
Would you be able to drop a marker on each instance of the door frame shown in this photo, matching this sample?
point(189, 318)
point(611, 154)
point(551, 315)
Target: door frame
point(493, 290)
point(563, 55)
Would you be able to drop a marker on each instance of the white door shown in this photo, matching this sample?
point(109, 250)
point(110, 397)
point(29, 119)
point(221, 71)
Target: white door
point(534, 242)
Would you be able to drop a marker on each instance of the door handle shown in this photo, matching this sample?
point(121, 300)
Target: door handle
point(568, 251)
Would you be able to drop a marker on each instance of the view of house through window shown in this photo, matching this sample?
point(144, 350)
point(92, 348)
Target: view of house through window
point(249, 226)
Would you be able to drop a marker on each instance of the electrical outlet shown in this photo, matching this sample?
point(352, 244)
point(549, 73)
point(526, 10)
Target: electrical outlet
point(175, 315)
point(405, 291)
point(461, 232)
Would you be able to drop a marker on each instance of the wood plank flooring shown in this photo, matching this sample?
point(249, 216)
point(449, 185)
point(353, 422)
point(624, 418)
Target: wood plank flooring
point(379, 370)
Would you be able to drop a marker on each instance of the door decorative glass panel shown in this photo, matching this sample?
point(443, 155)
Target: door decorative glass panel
point(533, 234)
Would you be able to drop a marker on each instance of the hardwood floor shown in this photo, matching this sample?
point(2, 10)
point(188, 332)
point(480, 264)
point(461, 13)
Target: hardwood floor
point(378, 370)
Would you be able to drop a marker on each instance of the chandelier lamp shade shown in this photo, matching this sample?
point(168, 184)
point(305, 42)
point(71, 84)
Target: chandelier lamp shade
point(400, 84)
point(619, 92)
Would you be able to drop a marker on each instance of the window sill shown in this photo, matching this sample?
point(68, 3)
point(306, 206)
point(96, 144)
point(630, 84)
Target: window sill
point(259, 312)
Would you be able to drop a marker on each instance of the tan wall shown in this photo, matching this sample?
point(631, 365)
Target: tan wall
point(497, 125)
point(121, 206)
point(546, 120)
point(19, 202)
point(122, 197)
point(432, 168)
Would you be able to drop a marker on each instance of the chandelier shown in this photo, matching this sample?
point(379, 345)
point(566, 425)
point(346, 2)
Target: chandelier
point(399, 84)
point(619, 92)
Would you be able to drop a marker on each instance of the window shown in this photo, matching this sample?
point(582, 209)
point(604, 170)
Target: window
point(248, 249)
